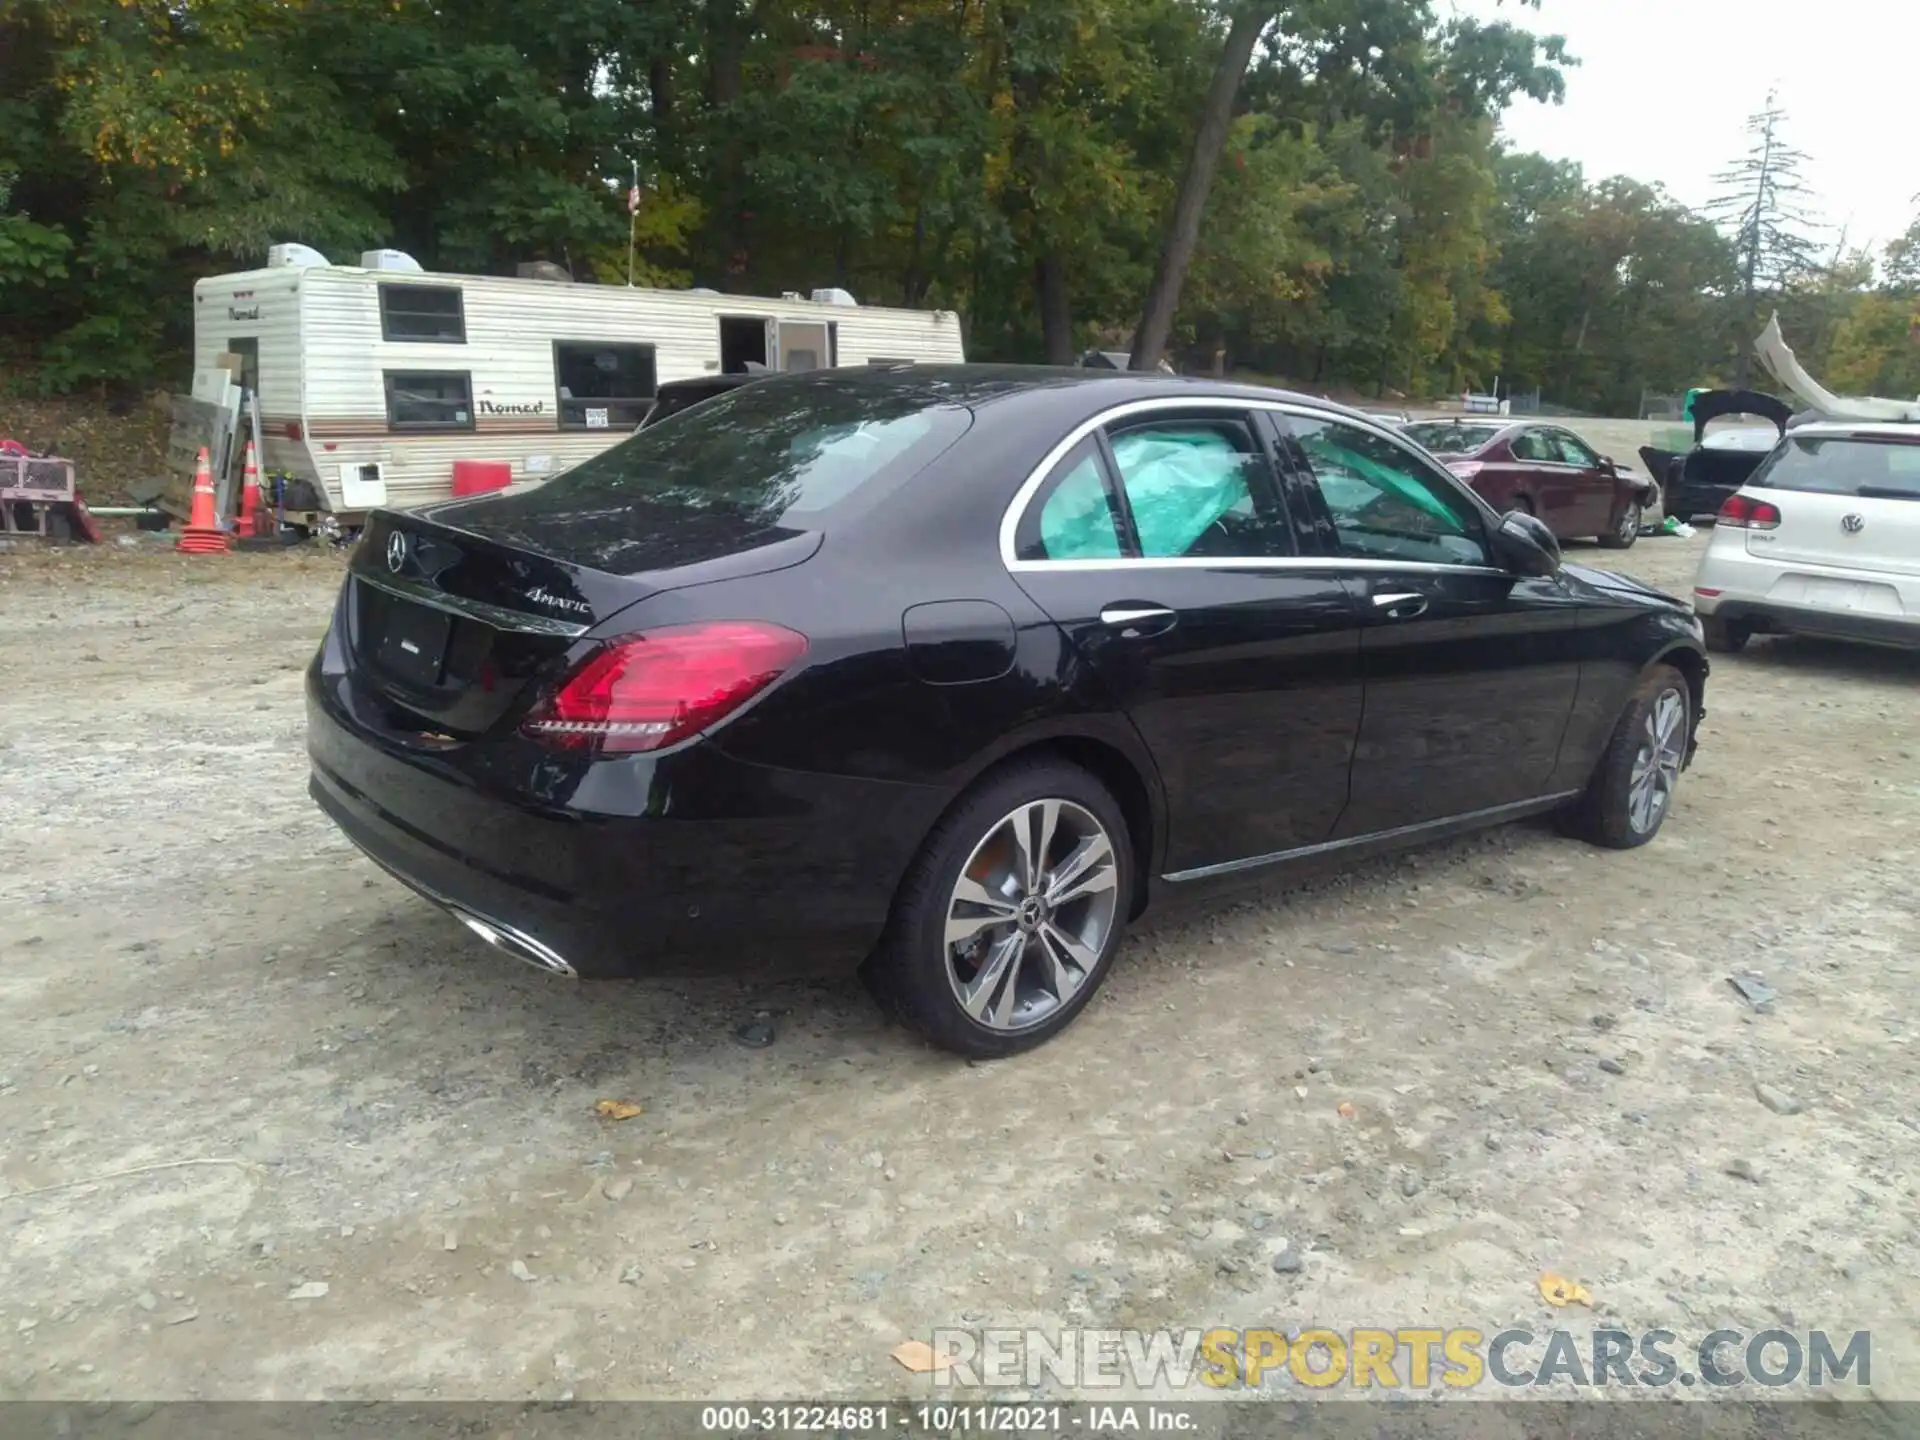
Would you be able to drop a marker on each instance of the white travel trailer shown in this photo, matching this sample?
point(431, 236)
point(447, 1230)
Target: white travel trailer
point(373, 380)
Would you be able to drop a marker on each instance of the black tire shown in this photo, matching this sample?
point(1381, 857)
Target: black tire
point(910, 972)
point(1724, 637)
point(1626, 531)
point(1607, 814)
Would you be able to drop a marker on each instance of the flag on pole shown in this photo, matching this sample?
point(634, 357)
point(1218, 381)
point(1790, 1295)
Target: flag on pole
point(633, 219)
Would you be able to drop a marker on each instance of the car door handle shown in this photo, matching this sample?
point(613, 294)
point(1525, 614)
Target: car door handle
point(1138, 619)
point(1400, 605)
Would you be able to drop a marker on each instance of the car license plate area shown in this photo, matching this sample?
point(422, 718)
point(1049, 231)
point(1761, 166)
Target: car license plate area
point(1821, 592)
point(413, 642)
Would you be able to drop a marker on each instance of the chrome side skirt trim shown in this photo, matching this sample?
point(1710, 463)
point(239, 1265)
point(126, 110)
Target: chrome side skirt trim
point(1403, 832)
point(496, 615)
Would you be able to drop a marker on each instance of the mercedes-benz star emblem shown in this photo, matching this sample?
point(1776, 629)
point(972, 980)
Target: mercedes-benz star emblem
point(397, 551)
point(1853, 524)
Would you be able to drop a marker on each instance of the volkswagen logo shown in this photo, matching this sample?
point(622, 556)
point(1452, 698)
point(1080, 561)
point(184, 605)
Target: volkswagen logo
point(1853, 524)
point(397, 551)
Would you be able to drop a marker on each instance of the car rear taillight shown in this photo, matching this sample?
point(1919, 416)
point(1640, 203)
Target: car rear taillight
point(1743, 512)
point(1465, 469)
point(648, 691)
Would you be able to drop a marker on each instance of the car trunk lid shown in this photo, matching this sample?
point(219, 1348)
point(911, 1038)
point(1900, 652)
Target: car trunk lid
point(1848, 532)
point(453, 631)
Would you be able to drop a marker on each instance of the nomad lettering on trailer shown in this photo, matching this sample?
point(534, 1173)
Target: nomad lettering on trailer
point(540, 595)
point(496, 407)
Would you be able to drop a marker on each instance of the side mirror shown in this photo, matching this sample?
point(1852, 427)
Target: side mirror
point(1524, 545)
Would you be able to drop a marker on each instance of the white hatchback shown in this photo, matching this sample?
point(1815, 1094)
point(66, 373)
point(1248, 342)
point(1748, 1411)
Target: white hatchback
point(1823, 539)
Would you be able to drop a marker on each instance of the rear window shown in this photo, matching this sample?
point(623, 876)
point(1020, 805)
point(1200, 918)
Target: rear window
point(770, 456)
point(1449, 437)
point(1746, 438)
point(1843, 465)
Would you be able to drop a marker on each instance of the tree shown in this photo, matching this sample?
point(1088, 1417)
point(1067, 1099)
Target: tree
point(1183, 231)
point(1762, 205)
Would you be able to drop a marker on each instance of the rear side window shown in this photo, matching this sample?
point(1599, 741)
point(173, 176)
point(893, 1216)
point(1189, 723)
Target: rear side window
point(1191, 486)
point(1532, 445)
point(1843, 465)
point(1450, 437)
point(1077, 519)
point(766, 455)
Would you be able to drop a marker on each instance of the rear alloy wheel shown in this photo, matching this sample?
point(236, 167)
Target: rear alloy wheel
point(1631, 793)
point(1008, 920)
point(1627, 530)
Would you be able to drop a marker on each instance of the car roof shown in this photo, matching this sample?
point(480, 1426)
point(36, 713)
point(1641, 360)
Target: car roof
point(983, 385)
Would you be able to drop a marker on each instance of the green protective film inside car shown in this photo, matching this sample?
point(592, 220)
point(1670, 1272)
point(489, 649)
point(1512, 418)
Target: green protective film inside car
point(1076, 523)
point(1386, 478)
point(1178, 483)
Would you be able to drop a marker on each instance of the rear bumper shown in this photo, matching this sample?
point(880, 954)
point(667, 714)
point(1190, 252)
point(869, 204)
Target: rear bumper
point(1768, 596)
point(1765, 619)
point(686, 864)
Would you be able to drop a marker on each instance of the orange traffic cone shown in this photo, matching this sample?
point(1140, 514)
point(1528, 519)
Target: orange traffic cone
point(203, 535)
point(251, 520)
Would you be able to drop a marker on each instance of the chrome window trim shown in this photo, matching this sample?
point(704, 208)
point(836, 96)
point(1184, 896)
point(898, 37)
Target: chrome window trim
point(1016, 508)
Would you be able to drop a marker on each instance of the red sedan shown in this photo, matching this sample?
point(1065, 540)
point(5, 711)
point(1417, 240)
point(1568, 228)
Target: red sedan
point(1545, 470)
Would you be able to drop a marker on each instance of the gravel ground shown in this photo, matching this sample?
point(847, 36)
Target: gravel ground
point(1546, 1066)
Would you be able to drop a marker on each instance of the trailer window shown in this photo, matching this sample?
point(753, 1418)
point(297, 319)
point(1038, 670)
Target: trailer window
point(418, 400)
point(602, 386)
point(422, 312)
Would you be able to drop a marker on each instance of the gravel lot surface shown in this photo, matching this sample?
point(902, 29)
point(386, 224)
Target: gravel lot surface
point(353, 1101)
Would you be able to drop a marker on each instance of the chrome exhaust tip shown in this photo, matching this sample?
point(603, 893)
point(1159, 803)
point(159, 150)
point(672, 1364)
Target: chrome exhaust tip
point(516, 943)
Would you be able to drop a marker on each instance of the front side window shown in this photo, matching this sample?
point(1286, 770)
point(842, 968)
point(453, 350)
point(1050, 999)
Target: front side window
point(1197, 487)
point(603, 386)
point(1572, 452)
point(1384, 504)
point(422, 312)
point(429, 400)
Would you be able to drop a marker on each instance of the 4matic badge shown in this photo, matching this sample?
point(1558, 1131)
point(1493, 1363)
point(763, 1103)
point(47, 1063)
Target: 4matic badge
point(540, 595)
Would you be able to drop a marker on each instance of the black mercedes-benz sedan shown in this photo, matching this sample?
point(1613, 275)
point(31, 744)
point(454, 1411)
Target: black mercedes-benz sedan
point(951, 672)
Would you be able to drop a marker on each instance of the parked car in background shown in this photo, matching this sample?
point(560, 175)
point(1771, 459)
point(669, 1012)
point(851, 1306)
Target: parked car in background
point(954, 671)
point(1545, 470)
point(1699, 482)
point(1822, 539)
point(1390, 417)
